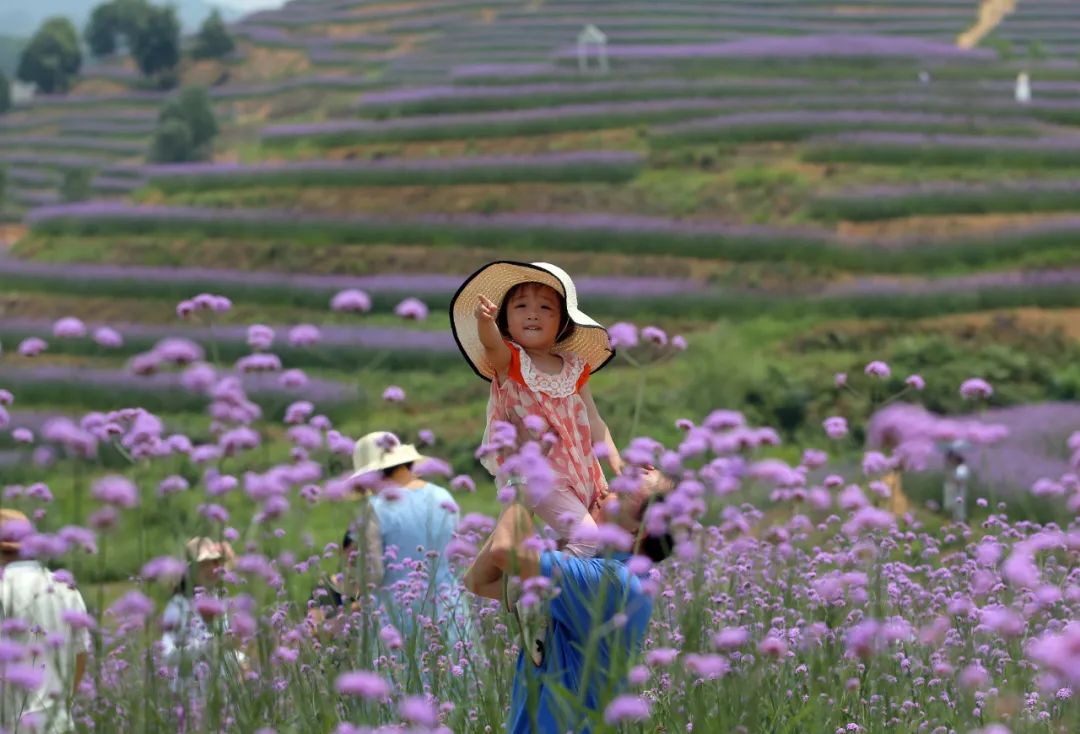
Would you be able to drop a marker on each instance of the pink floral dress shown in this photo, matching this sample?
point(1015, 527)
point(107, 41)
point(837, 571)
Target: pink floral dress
point(526, 390)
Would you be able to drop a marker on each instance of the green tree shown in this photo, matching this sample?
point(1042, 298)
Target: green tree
point(102, 29)
point(155, 45)
point(52, 57)
point(5, 93)
point(172, 142)
point(194, 108)
point(213, 40)
point(76, 184)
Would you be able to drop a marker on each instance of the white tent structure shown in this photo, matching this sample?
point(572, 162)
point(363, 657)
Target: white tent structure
point(1023, 88)
point(592, 38)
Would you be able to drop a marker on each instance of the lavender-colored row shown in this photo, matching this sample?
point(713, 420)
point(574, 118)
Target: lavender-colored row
point(560, 231)
point(317, 390)
point(394, 285)
point(76, 142)
point(802, 123)
point(576, 166)
point(361, 337)
point(815, 46)
point(516, 121)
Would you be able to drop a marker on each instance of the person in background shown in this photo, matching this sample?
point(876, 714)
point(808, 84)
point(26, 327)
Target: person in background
point(342, 591)
point(189, 633)
point(407, 526)
point(45, 631)
point(957, 476)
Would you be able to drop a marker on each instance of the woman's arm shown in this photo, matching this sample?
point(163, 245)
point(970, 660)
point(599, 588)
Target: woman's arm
point(599, 431)
point(504, 552)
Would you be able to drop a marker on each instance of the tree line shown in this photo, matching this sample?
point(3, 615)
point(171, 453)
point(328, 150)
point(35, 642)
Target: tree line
point(149, 33)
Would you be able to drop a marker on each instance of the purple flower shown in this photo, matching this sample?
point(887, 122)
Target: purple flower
point(419, 711)
point(23, 435)
point(294, 379)
point(661, 657)
point(626, 708)
point(259, 362)
point(463, 483)
point(167, 569)
point(731, 638)
point(32, 346)
point(6, 398)
point(260, 337)
point(199, 378)
point(655, 335)
point(412, 309)
point(678, 343)
point(116, 491)
point(178, 351)
point(28, 677)
point(835, 427)
point(69, 327)
point(840, 379)
point(351, 300)
point(393, 394)
point(915, 382)
point(623, 335)
point(107, 337)
point(173, 484)
point(877, 368)
point(304, 335)
point(363, 684)
point(708, 667)
point(773, 647)
point(976, 388)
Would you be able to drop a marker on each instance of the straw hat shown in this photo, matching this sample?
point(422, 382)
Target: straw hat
point(201, 549)
point(14, 526)
point(589, 340)
point(382, 450)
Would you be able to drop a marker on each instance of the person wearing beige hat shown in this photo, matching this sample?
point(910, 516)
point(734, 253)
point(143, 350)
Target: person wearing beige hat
point(416, 520)
point(33, 594)
point(189, 634)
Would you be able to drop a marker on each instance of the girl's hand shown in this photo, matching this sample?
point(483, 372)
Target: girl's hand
point(486, 310)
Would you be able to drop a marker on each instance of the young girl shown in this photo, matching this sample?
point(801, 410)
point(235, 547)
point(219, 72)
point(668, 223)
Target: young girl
point(519, 326)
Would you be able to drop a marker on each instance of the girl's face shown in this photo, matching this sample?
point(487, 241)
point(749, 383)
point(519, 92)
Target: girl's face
point(533, 314)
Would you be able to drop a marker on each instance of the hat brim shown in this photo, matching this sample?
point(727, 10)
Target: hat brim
point(403, 453)
point(589, 340)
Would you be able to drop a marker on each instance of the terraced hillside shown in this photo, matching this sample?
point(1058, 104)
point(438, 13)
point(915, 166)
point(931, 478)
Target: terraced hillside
point(746, 173)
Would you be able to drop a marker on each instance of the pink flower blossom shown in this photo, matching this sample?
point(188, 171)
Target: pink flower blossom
point(412, 309)
point(363, 684)
point(976, 388)
point(32, 346)
point(304, 335)
point(878, 369)
point(915, 382)
point(393, 394)
point(108, 337)
point(351, 300)
point(69, 327)
point(623, 335)
point(626, 708)
point(835, 427)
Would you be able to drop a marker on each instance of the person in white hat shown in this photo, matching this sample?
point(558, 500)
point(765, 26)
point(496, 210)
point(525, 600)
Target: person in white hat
point(519, 327)
point(418, 519)
point(51, 644)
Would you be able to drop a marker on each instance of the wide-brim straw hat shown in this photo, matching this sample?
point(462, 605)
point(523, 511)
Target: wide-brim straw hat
point(382, 450)
point(14, 526)
point(589, 340)
point(201, 549)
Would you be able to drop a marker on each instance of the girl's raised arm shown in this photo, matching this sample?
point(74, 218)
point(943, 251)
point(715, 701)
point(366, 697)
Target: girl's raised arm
point(495, 350)
point(599, 431)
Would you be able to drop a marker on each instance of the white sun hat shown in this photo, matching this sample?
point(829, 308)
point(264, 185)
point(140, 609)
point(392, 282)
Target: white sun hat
point(382, 450)
point(589, 340)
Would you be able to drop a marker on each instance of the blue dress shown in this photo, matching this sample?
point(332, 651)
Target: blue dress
point(416, 525)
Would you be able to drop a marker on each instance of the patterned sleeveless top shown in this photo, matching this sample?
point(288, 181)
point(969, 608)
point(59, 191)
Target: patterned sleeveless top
point(556, 399)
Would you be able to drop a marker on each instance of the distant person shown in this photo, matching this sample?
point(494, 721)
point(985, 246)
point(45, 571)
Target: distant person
point(957, 475)
point(52, 642)
point(417, 519)
point(191, 629)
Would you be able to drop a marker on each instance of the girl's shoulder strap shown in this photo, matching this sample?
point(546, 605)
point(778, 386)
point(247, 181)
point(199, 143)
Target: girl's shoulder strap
point(517, 354)
point(584, 376)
